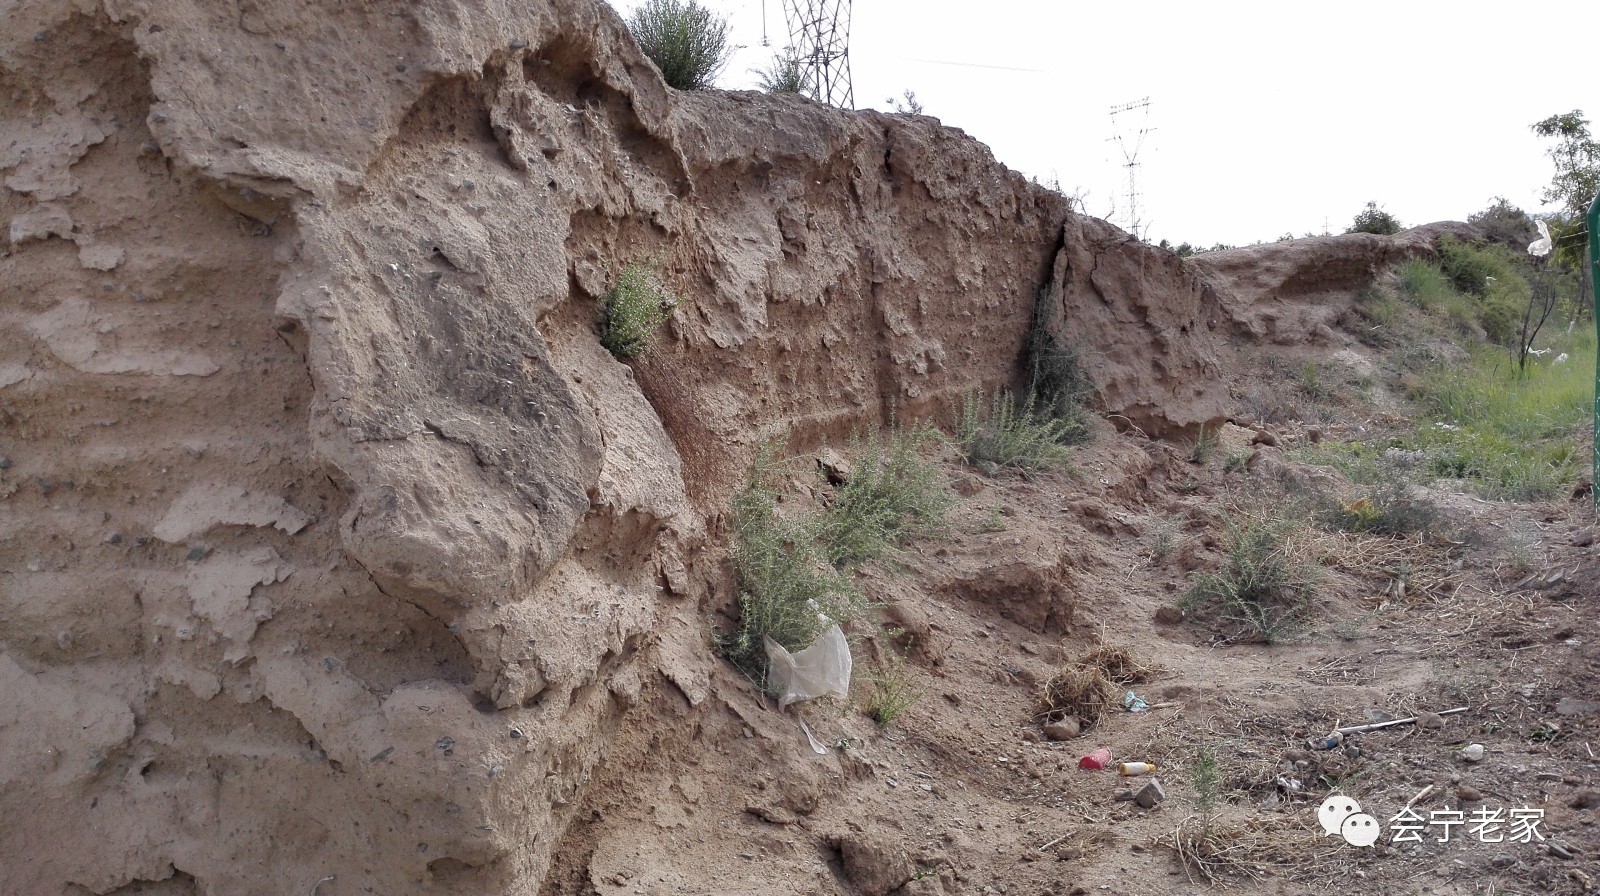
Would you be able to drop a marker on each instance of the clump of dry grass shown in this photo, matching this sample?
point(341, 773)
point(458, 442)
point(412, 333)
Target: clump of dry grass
point(1410, 567)
point(1076, 690)
point(1119, 664)
point(1214, 849)
point(1087, 687)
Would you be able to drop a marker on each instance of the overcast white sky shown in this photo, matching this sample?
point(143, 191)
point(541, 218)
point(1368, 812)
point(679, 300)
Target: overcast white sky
point(1264, 118)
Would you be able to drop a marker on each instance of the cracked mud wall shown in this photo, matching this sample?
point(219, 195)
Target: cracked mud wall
point(332, 543)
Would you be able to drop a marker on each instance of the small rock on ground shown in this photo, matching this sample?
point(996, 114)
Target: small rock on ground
point(1150, 794)
point(1065, 729)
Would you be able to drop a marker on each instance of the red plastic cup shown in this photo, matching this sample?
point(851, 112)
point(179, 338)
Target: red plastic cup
point(1098, 759)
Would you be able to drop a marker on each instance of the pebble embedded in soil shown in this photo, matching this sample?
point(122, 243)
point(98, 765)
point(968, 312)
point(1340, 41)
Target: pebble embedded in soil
point(1065, 729)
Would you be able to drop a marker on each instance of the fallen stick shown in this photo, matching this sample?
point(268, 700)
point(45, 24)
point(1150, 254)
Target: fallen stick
point(1358, 729)
point(1054, 842)
point(1413, 801)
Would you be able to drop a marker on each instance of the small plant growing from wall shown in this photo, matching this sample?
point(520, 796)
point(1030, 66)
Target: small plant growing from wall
point(635, 310)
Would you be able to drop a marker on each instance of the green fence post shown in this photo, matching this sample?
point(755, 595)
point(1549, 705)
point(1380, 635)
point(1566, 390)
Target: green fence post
point(1594, 287)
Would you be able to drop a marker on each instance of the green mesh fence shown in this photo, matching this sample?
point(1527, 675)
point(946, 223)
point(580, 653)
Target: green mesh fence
point(1594, 287)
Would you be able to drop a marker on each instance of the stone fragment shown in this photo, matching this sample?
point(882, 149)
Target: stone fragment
point(1168, 615)
point(1150, 794)
point(1572, 706)
point(874, 863)
point(1065, 729)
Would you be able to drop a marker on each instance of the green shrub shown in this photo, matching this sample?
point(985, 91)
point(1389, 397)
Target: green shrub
point(1011, 437)
point(1057, 383)
point(892, 495)
point(635, 310)
point(1504, 223)
point(784, 578)
point(1259, 589)
point(892, 691)
point(1474, 268)
point(687, 41)
point(1390, 508)
point(784, 74)
point(1374, 220)
point(792, 567)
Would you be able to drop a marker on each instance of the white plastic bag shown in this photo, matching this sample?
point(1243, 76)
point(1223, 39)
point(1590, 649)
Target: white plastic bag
point(820, 670)
point(1541, 246)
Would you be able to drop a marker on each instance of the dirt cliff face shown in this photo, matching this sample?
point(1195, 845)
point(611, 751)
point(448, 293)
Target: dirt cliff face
point(334, 544)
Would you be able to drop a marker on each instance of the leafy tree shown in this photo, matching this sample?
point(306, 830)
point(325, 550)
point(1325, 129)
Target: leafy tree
point(1374, 220)
point(687, 41)
point(1577, 159)
point(1576, 155)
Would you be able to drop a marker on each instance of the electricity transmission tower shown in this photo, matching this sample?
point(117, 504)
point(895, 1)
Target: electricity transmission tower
point(1130, 156)
point(819, 39)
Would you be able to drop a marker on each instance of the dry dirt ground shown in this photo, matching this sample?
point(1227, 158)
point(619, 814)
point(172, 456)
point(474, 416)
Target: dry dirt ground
point(963, 792)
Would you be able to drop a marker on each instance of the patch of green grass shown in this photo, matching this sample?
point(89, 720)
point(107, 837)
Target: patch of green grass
point(1504, 432)
point(1391, 507)
point(1205, 444)
point(1011, 436)
point(1424, 285)
point(786, 584)
point(891, 691)
point(635, 309)
point(1311, 381)
point(1259, 590)
point(1514, 434)
point(794, 568)
point(893, 494)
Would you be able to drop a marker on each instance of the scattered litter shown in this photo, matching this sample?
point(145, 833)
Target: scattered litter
point(1098, 759)
point(1127, 769)
point(1150, 794)
point(1541, 246)
point(1133, 702)
point(820, 670)
point(1290, 786)
point(1326, 743)
point(1409, 720)
point(1472, 752)
point(816, 746)
point(1402, 455)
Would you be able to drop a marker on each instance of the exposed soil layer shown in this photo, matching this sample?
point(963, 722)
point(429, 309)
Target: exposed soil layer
point(338, 556)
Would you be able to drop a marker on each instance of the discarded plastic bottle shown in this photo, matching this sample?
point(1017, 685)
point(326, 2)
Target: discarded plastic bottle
point(1098, 759)
point(1326, 743)
point(1127, 769)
